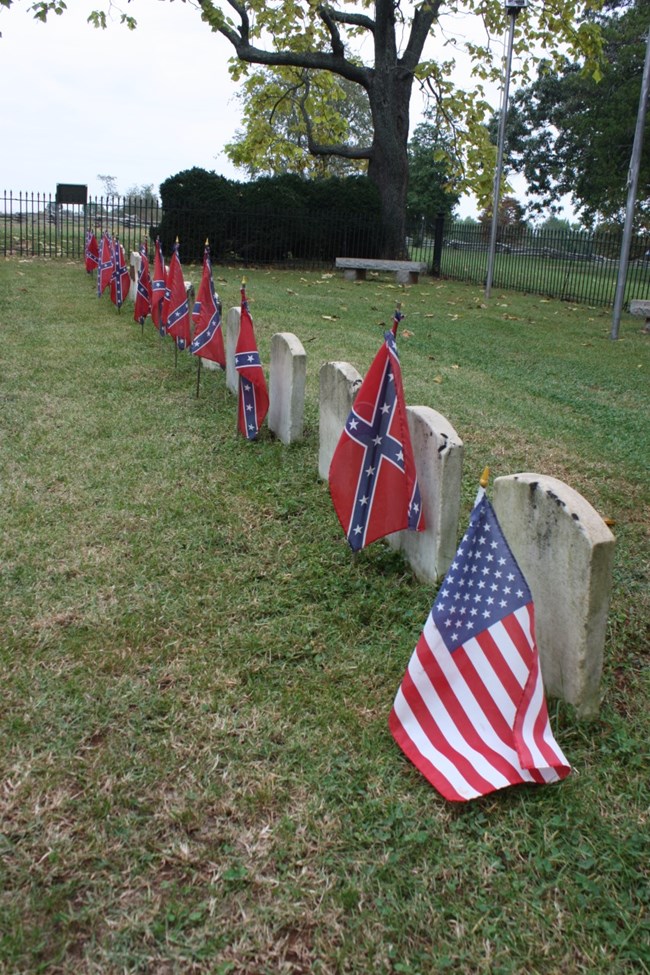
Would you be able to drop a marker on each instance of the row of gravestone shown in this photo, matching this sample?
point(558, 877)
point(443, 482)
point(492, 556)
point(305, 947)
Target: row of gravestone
point(563, 546)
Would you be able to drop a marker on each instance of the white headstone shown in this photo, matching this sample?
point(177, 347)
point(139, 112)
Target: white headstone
point(339, 382)
point(134, 270)
point(232, 334)
point(438, 452)
point(565, 551)
point(287, 376)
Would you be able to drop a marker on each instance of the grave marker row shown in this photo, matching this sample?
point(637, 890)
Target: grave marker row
point(561, 543)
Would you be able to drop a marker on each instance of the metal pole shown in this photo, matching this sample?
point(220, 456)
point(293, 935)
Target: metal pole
point(632, 184)
point(512, 13)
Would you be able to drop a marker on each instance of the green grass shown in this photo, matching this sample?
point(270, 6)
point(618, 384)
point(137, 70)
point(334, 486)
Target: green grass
point(581, 281)
point(196, 770)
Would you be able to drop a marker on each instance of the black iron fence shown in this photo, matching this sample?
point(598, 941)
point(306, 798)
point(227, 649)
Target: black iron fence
point(574, 266)
point(578, 267)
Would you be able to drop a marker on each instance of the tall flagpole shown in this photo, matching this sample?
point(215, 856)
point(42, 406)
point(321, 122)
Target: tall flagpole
point(632, 184)
point(512, 9)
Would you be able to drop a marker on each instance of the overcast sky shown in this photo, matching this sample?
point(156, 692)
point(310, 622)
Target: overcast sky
point(137, 105)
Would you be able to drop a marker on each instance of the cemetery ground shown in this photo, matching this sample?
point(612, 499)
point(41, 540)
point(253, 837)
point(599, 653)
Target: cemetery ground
point(196, 769)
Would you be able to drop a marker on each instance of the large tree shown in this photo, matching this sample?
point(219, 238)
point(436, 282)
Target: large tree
point(386, 47)
point(571, 133)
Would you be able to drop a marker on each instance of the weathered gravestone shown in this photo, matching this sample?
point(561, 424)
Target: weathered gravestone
point(209, 364)
point(231, 336)
point(565, 551)
point(134, 270)
point(287, 377)
point(339, 382)
point(438, 452)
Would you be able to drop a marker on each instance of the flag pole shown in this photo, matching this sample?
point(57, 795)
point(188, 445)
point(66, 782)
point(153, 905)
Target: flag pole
point(512, 9)
point(397, 317)
point(198, 376)
point(485, 477)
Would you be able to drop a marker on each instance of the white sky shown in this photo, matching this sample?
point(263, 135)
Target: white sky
point(71, 103)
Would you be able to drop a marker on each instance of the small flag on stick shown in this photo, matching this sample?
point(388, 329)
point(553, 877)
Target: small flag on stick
point(206, 314)
point(176, 310)
point(142, 306)
point(158, 286)
point(91, 252)
point(470, 713)
point(372, 477)
point(253, 401)
point(106, 264)
point(120, 281)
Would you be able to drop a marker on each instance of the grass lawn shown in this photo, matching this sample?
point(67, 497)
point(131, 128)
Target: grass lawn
point(196, 770)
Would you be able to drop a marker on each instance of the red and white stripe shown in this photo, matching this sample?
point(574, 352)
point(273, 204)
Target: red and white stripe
point(475, 720)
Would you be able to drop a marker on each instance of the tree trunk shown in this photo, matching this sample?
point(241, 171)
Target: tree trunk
point(388, 170)
point(390, 95)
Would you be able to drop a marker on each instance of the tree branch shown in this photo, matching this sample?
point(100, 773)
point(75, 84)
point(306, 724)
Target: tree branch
point(321, 149)
point(331, 16)
point(423, 18)
point(334, 61)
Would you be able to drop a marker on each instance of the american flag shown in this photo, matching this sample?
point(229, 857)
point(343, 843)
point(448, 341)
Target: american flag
point(158, 286)
point(206, 314)
point(372, 477)
point(253, 401)
point(106, 264)
point(470, 713)
point(120, 282)
point(91, 251)
point(142, 306)
point(176, 309)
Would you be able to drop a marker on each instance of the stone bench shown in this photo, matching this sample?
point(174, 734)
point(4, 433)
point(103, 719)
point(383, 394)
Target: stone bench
point(641, 308)
point(406, 272)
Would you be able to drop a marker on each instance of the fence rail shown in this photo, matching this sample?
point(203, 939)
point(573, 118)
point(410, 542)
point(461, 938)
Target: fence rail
point(578, 267)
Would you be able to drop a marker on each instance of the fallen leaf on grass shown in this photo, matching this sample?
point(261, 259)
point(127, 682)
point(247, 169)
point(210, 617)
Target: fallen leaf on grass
point(437, 379)
point(329, 318)
point(406, 334)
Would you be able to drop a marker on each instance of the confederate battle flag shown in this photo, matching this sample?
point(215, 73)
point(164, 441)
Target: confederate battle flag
point(106, 264)
point(176, 309)
point(372, 476)
point(120, 281)
point(206, 314)
point(253, 395)
point(158, 286)
point(91, 252)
